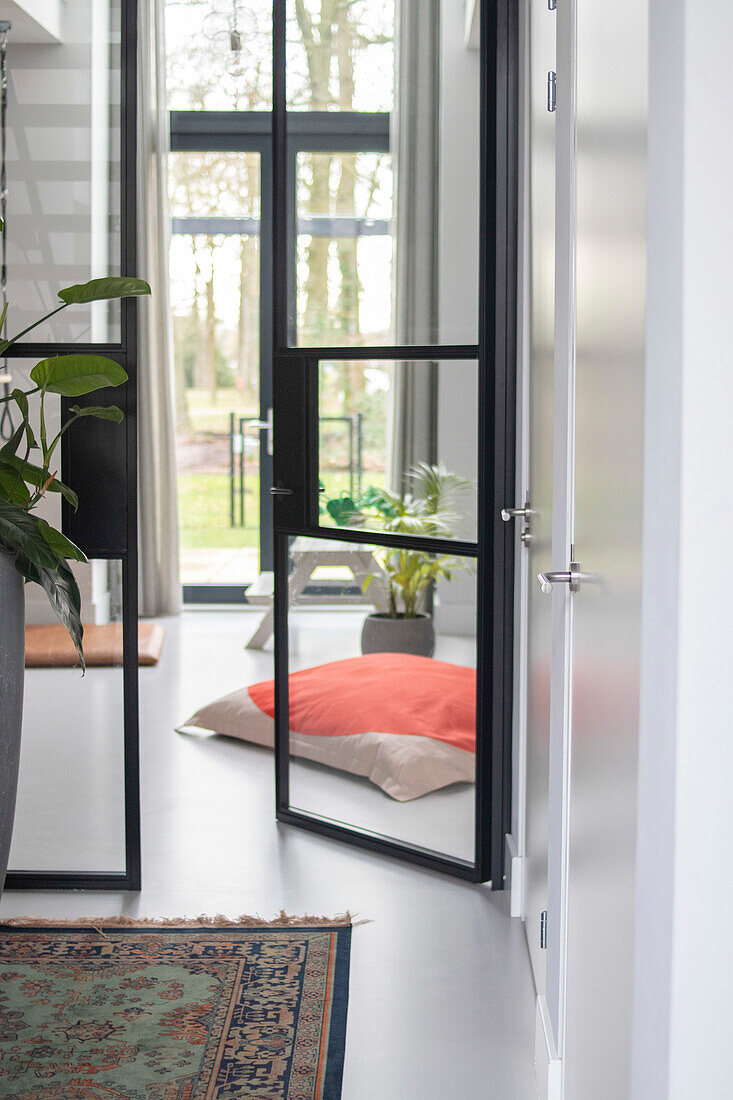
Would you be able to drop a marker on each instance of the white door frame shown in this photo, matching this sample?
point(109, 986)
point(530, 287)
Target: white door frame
point(516, 842)
point(550, 1010)
point(562, 516)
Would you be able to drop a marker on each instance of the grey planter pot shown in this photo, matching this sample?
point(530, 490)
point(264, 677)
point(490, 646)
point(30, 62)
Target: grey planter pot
point(382, 634)
point(12, 674)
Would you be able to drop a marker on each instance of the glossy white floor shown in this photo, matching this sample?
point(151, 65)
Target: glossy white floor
point(441, 1002)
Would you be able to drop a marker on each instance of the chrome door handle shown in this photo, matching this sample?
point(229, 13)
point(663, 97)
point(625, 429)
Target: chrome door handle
point(573, 578)
point(267, 426)
point(513, 513)
point(546, 580)
point(278, 491)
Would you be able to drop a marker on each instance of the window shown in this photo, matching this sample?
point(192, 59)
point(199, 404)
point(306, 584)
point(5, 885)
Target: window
point(341, 93)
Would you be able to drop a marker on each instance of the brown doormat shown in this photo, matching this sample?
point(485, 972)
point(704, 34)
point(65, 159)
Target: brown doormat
point(51, 647)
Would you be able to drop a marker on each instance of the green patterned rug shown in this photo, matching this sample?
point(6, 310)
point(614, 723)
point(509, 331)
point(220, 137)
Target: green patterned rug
point(129, 1012)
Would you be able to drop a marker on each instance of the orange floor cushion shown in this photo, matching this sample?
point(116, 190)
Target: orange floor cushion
point(407, 723)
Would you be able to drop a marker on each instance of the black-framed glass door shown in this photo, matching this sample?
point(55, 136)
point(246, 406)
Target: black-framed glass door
point(71, 216)
point(391, 744)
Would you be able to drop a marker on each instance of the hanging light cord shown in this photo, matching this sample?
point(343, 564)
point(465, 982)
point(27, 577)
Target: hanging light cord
point(6, 418)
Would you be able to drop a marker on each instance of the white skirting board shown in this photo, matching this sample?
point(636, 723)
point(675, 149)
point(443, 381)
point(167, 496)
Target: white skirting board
point(547, 1064)
point(515, 877)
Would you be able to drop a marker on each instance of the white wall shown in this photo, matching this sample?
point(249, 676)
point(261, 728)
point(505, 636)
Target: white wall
point(34, 20)
point(683, 1015)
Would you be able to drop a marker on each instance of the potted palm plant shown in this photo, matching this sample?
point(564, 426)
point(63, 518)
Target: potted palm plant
point(31, 550)
point(406, 577)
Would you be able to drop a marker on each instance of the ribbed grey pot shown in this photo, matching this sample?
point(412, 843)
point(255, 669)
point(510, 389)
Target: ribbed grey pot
point(12, 673)
point(383, 634)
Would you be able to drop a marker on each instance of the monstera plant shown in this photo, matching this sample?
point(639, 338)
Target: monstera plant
point(31, 550)
point(29, 460)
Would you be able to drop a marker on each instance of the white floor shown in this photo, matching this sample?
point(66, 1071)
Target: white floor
point(442, 1001)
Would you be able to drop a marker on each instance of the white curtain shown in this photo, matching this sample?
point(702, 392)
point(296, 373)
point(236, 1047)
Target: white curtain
point(159, 588)
point(416, 138)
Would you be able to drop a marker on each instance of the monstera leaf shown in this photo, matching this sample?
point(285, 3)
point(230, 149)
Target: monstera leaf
point(63, 594)
point(101, 290)
point(40, 555)
point(59, 543)
point(20, 533)
point(101, 412)
point(12, 486)
point(38, 478)
point(73, 375)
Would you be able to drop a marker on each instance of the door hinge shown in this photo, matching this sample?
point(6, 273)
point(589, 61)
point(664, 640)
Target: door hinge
point(551, 91)
point(552, 4)
point(543, 929)
point(524, 513)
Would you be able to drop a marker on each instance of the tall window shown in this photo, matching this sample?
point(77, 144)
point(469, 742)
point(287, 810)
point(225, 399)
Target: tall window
point(341, 82)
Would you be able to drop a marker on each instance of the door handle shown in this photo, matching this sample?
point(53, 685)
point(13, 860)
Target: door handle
point(517, 513)
point(573, 578)
point(267, 426)
point(279, 491)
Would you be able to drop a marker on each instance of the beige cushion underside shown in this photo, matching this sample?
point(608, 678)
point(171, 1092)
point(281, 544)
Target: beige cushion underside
point(405, 766)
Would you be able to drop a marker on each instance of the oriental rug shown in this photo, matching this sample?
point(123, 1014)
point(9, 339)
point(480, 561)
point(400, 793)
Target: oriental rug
point(174, 1012)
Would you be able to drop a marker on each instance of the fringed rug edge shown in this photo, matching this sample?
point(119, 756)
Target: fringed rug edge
point(283, 920)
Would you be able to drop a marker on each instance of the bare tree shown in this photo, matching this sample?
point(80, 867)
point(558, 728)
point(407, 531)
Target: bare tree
point(327, 41)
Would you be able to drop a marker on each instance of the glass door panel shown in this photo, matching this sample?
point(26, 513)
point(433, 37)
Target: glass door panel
point(383, 710)
point(70, 813)
point(383, 128)
point(398, 446)
point(344, 260)
point(71, 208)
point(215, 295)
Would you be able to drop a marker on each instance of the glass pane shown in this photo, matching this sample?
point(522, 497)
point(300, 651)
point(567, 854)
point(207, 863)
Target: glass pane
point(382, 709)
point(341, 55)
point(215, 298)
point(70, 809)
point(63, 211)
point(385, 117)
point(344, 249)
point(398, 446)
point(219, 55)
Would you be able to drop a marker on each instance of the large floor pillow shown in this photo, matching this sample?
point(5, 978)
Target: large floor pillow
point(406, 723)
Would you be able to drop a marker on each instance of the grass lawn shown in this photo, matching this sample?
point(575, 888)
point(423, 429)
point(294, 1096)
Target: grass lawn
point(203, 505)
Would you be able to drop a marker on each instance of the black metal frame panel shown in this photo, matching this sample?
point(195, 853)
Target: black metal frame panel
point(296, 451)
point(100, 528)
